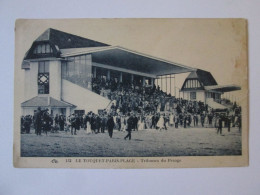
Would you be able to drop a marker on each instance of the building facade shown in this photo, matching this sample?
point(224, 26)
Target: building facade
point(201, 86)
point(61, 71)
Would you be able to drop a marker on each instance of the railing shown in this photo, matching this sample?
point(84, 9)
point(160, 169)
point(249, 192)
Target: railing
point(81, 81)
point(109, 105)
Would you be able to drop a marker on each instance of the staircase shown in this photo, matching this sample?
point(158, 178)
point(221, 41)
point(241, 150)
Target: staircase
point(214, 105)
point(83, 98)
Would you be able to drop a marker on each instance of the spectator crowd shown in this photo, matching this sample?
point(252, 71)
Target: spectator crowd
point(134, 107)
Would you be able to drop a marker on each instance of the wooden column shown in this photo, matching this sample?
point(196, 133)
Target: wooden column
point(121, 77)
point(161, 83)
point(152, 81)
point(108, 74)
point(95, 72)
point(166, 77)
point(143, 81)
point(175, 88)
point(171, 85)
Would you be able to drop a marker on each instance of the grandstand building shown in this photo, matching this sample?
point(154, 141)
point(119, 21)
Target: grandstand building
point(59, 69)
point(200, 85)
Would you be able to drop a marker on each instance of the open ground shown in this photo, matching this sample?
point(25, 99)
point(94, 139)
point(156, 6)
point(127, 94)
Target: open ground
point(144, 143)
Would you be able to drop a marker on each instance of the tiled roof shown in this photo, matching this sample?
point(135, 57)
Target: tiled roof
point(39, 101)
point(59, 40)
point(67, 40)
point(203, 76)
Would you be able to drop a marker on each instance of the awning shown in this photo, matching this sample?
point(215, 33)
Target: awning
point(223, 88)
point(45, 102)
point(128, 59)
point(214, 105)
point(25, 64)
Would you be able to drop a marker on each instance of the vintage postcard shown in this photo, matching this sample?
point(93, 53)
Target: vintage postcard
point(131, 93)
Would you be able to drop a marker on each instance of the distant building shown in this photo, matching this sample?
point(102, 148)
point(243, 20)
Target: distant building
point(59, 69)
point(200, 85)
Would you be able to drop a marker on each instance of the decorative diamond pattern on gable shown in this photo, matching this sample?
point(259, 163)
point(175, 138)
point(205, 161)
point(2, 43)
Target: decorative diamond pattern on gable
point(43, 78)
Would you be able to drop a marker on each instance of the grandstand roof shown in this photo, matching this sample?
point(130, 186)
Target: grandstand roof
point(66, 40)
point(60, 40)
point(128, 59)
point(64, 45)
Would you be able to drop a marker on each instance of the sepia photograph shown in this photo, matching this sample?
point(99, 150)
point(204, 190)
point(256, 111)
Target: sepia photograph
point(131, 93)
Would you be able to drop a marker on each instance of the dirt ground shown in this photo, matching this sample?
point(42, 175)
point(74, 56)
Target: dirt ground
point(144, 143)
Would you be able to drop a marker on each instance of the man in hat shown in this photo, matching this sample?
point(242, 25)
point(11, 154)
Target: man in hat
point(135, 122)
point(38, 121)
point(103, 123)
point(27, 123)
point(56, 120)
point(220, 124)
point(98, 123)
point(77, 123)
point(47, 121)
point(110, 125)
point(61, 122)
point(73, 123)
point(130, 126)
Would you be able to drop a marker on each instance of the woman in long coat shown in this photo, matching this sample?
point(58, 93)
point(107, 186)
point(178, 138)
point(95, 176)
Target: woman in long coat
point(47, 122)
point(160, 123)
point(110, 125)
point(61, 122)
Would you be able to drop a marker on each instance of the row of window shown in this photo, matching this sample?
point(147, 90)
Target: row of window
point(193, 95)
point(43, 77)
point(43, 49)
point(78, 70)
point(213, 95)
point(44, 67)
point(114, 75)
point(192, 84)
point(80, 66)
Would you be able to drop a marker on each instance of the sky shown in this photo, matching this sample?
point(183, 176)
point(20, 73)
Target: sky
point(215, 45)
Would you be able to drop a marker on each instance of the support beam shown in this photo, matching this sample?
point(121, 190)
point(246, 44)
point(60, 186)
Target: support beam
point(67, 111)
point(175, 88)
point(166, 84)
point(152, 81)
point(171, 85)
point(161, 84)
point(121, 77)
point(143, 81)
point(94, 64)
point(108, 74)
point(95, 72)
